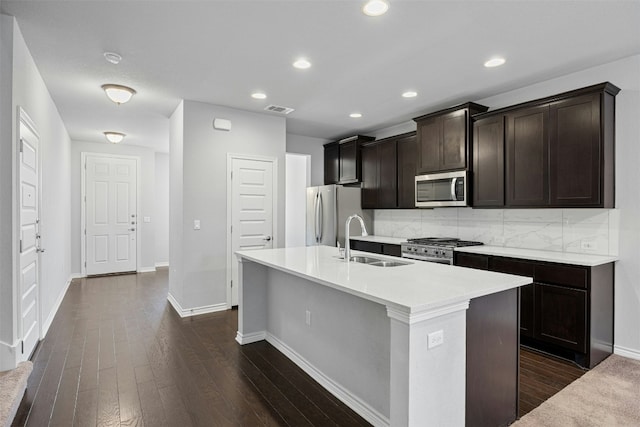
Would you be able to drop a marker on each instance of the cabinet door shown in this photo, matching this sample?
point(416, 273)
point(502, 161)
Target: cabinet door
point(360, 245)
point(479, 262)
point(429, 142)
point(331, 163)
point(407, 149)
point(561, 316)
point(453, 151)
point(527, 310)
point(349, 162)
point(391, 249)
point(527, 157)
point(369, 192)
point(488, 162)
point(575, 151)
point(387, 175)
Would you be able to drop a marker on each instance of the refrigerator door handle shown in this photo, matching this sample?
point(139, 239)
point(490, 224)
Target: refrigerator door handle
point(321, 217)
point(315, 225)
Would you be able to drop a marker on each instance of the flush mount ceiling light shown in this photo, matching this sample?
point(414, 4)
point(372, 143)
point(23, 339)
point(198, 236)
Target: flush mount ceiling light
point(114, 137)
point(494, 62)
point(355, 115)
point(302, 64)
point(118, 93)
point(375, 7)
point(112, 57)
point(410, 94)
point(259, 95)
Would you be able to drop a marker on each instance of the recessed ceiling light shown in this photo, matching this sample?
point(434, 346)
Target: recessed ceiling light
point(410, 94)
point(113, 57)
point(302, 64)
point(259, 95)
point(118, 93)
point(355, 115)
point(494, 62)
point(375, 7)
point(114, 137)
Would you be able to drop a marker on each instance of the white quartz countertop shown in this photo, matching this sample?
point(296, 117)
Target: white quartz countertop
point(381, 239)
point(538, 255)
point(414, 288)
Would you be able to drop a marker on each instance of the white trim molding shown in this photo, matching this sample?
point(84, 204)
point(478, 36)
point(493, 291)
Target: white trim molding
point(147, 269)
point(9, 355)
point(626, 352)
point(344, 395)
point(162, 264)
point(188, 312)
point(411, 318)
point(250, 338)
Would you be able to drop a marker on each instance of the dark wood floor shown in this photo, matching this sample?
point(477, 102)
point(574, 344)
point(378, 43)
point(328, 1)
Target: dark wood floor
point(118, 354)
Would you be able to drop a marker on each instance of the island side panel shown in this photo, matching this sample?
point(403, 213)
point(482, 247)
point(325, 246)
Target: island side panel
point(345, 347)
point(252, 294)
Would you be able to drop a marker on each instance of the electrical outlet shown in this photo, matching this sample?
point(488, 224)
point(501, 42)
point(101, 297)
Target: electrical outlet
point(196, 224)
point(588, 245)
point(308, 318)
point(436, 338)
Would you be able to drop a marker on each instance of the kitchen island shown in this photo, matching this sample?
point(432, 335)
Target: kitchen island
point(390, 342)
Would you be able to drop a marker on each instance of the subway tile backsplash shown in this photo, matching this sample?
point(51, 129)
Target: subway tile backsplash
point(592, 231)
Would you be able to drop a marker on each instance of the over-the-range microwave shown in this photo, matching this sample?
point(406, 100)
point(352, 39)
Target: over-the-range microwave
point(442, 189)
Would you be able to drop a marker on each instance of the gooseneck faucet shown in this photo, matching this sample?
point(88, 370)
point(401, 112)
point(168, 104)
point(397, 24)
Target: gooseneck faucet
point(347, 246)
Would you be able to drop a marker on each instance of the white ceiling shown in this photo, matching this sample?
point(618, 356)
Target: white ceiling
point(220, 52)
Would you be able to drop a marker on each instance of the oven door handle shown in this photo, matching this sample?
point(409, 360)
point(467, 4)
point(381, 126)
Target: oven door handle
point(429, 259)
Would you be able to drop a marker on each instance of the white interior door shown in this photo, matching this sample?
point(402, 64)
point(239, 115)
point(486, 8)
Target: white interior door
point(110, 214)
point(29, 239)
point(251, 210)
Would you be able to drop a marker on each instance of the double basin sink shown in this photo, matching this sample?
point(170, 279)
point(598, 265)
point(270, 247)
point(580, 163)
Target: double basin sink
point(377, 262)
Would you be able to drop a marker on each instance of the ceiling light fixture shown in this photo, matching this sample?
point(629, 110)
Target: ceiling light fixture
point(112, 57)
point(302, 64)
point(114, 137)
point(118, 93)
point(375, 7)
point(494, 62)
point(355, 115)
point(410, 94)
point(259, 95)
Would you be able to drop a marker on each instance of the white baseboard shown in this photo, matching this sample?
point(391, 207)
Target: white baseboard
point(146, 270)
point(8, 355)
point(77, 276)
point(626, 352)
point(162, 264)
point(243, 339)
point(344, 395)
point(188, 312)
point(47, 324)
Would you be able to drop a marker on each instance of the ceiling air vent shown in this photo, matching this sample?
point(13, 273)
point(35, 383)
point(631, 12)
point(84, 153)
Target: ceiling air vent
point(278, 109)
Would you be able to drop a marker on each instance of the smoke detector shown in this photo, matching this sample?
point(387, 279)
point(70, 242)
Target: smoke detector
point(278, 109)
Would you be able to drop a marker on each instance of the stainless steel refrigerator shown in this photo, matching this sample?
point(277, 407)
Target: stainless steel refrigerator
point(328, 207)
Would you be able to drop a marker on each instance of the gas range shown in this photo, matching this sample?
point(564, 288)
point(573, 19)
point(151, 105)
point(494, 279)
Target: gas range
point(434, 249)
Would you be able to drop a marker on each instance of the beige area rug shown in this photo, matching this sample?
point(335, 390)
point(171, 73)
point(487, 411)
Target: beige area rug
point(13, 383)
point(606, 396)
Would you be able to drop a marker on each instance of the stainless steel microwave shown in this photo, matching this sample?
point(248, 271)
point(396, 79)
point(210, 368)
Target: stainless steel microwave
point(442, 189)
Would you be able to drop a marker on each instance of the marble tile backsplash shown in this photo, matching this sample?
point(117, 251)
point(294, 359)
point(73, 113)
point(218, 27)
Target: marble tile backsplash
point(592, 231)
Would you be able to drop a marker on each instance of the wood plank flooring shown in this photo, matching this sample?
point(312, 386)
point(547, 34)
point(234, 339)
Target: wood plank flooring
point(117, 354)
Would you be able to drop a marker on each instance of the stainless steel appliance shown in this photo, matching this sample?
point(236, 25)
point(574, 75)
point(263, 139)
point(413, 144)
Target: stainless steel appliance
point(442, 189)
point(434, 249)
point(328, 208)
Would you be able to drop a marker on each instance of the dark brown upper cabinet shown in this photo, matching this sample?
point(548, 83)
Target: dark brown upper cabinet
point(488, 162)
point(348, 160)
point(558, 151)
point(388, 172)
point(443, 138)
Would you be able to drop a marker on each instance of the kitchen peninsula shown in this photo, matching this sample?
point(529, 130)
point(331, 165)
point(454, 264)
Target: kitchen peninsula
point(391, 342)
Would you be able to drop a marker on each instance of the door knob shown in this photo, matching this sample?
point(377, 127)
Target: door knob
point(267, 239)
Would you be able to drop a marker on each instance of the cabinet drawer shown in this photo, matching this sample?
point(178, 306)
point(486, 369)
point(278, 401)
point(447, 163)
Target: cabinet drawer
point(390, 249)
point(511, 266)
point(561, 275)
point(360, 245)
point(480, 262)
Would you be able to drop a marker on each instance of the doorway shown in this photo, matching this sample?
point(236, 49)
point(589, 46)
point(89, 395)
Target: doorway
point(110, 214)
point(251, 209)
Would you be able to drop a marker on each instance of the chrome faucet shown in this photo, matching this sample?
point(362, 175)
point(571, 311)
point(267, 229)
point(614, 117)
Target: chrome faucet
point(347, 246)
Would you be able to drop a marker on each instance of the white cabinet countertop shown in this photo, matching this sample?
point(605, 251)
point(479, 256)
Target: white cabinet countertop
point(414, 288)
point(587, 260)
point(381, 239)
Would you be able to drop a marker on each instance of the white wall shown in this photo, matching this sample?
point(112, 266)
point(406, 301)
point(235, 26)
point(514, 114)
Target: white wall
point(27, 90)
point(176, 205)
point(314, 147)
point(616, 230)
point(202, 281)
point(297, 180)
point(161, 212)
point(147, 198)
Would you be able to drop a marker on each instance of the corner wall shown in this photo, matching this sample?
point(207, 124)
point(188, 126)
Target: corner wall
point(299, 144)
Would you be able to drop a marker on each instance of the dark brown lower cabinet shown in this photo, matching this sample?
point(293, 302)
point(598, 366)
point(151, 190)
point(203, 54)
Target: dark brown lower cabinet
point(567, 311)
point(375, 247)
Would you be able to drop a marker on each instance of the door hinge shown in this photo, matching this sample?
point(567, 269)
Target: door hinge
point(231, 174)
point(85, 231)
point(85, 165)
point(22, 347)
point(21, 145)
point(232, 228)
point(20, 245)
point(232, 283)
point(85, 264)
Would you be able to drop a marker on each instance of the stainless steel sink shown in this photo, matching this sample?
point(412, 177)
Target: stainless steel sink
point(364, 259)
point(383, 263)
